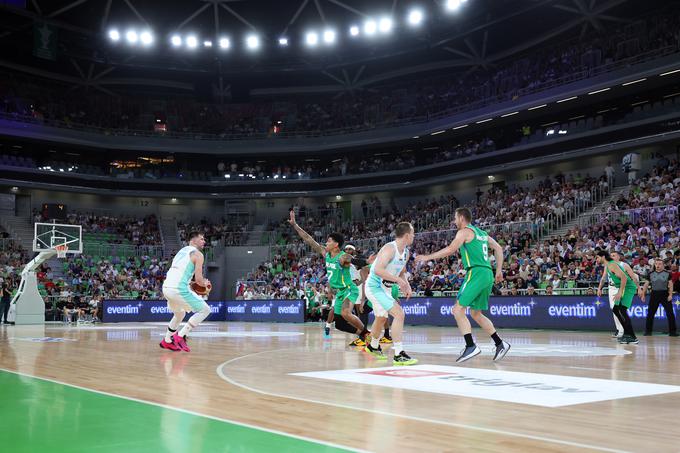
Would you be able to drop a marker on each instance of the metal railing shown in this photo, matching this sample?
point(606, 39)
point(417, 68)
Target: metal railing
point(648, 215)
point(108, 249)
point(555, 222)
point(379, 124)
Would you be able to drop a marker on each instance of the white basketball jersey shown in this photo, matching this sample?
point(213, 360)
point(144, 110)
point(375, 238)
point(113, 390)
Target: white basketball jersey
point(394, 267)
point(181, 270)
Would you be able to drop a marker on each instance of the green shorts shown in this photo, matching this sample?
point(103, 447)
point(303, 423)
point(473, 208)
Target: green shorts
point(626, 297)
point(477, 288)
point(350, 292)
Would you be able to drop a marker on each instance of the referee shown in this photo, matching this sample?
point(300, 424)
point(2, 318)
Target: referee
point(662, 293)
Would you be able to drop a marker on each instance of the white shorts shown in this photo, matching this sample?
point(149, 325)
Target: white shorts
point(183, 300)
point(381, 299)
point(361, 293)
point(612, 292)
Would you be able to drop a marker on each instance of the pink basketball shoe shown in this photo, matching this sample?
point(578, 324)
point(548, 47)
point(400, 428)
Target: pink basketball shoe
point(170, 346)
point(181, 342)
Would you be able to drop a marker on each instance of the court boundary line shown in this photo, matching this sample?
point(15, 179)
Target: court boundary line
point(224, 377)
point(190, 412)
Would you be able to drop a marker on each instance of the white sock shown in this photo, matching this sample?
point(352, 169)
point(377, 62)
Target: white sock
point(174, 325)
point(375, 343)
point(328, 324)
point(398, 347)
point(186, 330)
point(194, 321)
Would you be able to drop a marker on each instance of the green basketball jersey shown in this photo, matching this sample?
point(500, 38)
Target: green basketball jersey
point(616, 281)
point(309, 294)
point(476, 252)
point(338, 275)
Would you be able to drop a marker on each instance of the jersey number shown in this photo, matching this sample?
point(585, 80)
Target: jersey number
point(485, 250)
point(330, 275)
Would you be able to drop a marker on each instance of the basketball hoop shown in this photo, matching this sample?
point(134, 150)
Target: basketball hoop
point(61, 250)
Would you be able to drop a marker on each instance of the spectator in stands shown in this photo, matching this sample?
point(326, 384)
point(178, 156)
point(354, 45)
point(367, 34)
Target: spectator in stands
point(5, 298)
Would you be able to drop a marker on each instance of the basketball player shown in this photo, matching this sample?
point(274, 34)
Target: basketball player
point(625, 281)
point(611, 291)
point(474, 246)
point(339, 280)
point(389, 267)
point(365, 272)
point(186, 264)
point(359, 270)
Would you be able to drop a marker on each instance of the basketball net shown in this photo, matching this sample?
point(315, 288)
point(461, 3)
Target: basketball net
point(61, 250)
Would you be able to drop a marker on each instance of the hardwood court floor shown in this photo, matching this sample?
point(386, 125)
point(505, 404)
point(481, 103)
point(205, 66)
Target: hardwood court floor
point(240, 390)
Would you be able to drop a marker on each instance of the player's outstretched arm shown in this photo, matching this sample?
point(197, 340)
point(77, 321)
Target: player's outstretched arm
point(458, 241)
point(309, 240)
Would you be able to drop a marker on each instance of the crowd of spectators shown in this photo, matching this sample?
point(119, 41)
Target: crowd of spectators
point(389, 105)
point(217, 233)
point(643, 225)
point(120, 277)
point(117, 229)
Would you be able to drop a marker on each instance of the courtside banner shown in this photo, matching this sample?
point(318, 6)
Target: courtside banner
point(150, 310)
point(538, 312)
point(265, 310)
point(231, 310)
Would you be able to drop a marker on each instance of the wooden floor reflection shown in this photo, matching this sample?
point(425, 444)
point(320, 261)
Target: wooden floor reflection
point(244, 372)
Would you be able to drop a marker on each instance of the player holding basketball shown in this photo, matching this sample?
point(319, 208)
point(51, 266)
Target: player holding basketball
point(339, 280)
point(474, 246)
point(186, 264)
point(389, 269)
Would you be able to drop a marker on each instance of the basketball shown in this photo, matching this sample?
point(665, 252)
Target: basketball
point(200, 289)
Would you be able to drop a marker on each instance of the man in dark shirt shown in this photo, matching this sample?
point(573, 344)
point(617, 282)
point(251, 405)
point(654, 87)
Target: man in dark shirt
point(5, 299)
point(661, 293)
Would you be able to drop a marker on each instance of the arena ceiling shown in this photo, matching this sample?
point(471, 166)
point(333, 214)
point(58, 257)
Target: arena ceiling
point(480, 34)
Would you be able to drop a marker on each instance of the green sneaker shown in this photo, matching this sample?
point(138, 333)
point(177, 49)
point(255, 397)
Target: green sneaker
point(403, 359)
point(377, 353)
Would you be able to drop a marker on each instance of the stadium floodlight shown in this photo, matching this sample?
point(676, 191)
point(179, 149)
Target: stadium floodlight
point(207, 43)
point(131, 36)
point(385, 25)
point(329, 36)
point(283, 41)
point(192, 42)
point(312, 38)
point(176, 40)
point(146, 37)
point(252, 42)
point(114, 35)
point(415, 17)
point(370, 27)
point(224, 43)
point(453, 5)
point(354, 30)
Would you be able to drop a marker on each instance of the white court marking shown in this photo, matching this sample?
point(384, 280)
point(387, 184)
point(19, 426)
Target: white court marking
point(536, 389)
point(220, 373)
point(526, 350)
